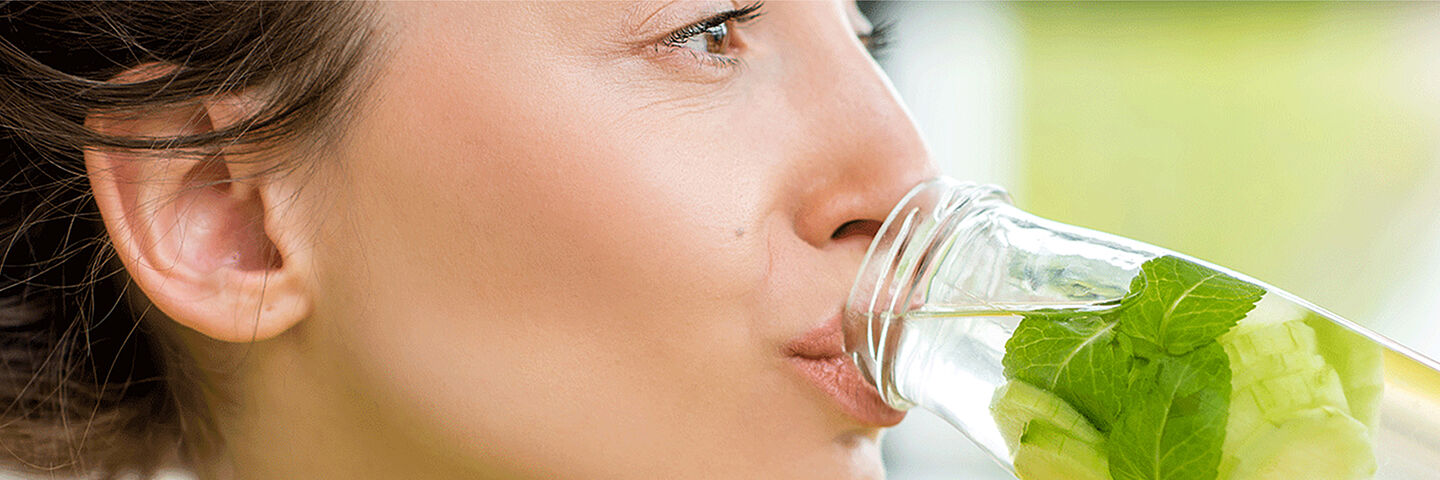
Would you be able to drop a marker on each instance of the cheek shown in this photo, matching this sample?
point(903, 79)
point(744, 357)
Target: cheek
point(509, 253)
point(609, 222)
point(514, 203)
point(585, 199)
point(518, 173)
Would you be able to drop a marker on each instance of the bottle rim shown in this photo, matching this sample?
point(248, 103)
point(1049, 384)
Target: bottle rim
point(884, 286)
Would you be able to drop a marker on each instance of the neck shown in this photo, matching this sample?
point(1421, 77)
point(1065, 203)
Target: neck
point(285, 415)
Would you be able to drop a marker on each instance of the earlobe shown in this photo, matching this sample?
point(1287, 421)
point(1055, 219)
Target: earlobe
point(197, 229)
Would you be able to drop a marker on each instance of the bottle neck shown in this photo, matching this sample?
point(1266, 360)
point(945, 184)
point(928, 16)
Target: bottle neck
point(904, 255)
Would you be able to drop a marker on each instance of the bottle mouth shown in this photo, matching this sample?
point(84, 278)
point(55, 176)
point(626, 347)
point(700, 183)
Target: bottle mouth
point(885, 287)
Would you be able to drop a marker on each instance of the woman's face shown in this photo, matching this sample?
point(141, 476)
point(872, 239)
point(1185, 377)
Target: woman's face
point(562, 245)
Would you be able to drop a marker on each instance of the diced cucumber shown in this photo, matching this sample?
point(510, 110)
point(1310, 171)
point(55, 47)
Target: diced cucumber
point(1358, 362)
point(1017, 403)
point(1049, 452)
point(1290, 404)
point(1273, 366)
point(1264, 404)
point(1275, 370)
point(1321, 443)
point(1248, 340)
point(1297, 391)
point(1259, 352)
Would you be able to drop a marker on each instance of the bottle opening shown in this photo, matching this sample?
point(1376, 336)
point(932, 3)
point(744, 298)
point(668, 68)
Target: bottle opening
point(885, 287)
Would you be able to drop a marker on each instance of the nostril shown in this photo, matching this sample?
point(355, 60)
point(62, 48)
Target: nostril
point(867, 228)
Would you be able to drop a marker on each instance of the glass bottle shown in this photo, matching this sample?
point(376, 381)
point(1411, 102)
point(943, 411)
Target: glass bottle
point(1069, 353)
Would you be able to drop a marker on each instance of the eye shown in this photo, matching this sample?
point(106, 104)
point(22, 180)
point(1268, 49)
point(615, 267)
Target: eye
point(711, 37)
point(714, 39)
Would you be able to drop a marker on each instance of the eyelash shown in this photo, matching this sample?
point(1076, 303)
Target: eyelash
point(877, 42)
point(727, 19)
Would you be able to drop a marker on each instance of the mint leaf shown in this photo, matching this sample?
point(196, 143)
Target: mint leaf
point(1173, 424)
point(1074, 357)
point(1176, 306)
point(1149, 372)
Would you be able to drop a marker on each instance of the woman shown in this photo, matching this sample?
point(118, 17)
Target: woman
point(455, 240)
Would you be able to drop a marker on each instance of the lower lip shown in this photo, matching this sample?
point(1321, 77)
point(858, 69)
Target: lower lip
point(839, 378)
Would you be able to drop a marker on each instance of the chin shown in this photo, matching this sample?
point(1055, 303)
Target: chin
point(861, 452)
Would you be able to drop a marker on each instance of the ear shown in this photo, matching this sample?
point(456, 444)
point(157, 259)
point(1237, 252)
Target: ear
point(211, 240)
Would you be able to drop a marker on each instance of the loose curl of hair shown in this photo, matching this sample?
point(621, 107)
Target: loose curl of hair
point(86, 387)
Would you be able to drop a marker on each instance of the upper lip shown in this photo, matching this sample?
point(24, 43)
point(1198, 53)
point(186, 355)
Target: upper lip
point(821, 342)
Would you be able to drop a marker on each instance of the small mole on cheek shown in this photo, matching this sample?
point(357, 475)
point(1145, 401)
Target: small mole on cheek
point(739, 232)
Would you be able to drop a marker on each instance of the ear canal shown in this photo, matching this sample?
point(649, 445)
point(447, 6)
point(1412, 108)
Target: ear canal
point(233, 212)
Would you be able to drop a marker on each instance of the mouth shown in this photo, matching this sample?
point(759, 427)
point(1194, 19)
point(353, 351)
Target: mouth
point(819, 355)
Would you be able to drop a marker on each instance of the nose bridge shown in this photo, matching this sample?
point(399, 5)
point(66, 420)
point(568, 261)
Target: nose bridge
point(856, 99)
point(866, 152)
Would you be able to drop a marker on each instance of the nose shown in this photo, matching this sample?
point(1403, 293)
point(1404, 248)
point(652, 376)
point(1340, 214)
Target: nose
point(865, 152)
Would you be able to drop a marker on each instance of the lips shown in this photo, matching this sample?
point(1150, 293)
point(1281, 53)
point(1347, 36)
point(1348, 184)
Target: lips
point(820, 356)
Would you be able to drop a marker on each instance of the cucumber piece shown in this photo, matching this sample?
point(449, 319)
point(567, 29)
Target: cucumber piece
point(1244, 418)
point(1018, 403)
point(1267, 403)
point(1275, 370)
point(1048, 452)
point(1358, 362)
point(1271, 350)
point(1275, 366)
point(1248, 341)
point(1322, 443)
point(1300, 390)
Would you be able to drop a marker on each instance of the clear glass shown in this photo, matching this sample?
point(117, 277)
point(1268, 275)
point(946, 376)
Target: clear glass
point(956, 269)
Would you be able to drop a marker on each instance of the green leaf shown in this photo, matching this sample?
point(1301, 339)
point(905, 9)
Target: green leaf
point(1176, 306)
point(1074, 357)
point(1148, 373)
point(1173, 423)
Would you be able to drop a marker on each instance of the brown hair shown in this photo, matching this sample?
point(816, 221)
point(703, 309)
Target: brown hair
point(85, 386)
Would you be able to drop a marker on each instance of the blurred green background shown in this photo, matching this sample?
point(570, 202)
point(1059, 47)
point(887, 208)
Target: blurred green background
point(1283, 140)
point(1294, 142)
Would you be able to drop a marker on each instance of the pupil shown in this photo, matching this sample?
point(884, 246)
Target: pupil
point(718, 35)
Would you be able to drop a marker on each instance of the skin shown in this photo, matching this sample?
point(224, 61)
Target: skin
point(547, 246)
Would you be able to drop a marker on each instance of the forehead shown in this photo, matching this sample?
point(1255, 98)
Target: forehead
point(624, 16)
